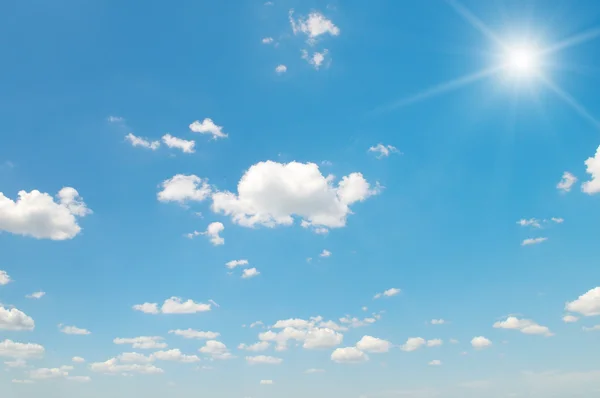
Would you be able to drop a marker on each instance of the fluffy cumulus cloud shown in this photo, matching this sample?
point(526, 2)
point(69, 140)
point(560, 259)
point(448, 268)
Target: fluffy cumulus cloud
point(593, 169)
point(566, 183)
point(41, 216)
point(216, 350)
point(280, 69)
point(383, 151)
point(142, 142)
point(186, 146)
point(174, 355)
point(15, 350)
point(173, 305)
point(316, 59)
point(266, 382)
point(533, 241)
point(271, 194)
point(325, 253)
point(195, 334)
point(480, 342)
point(348, 355)
point(313, 26)
point(4, 278)
point(523, 325)
point(313, 334)
point(73, 330)
point(78, 359)
point(531, 222)
point(115, 366)
point(236, 263)
point(373, 345)
point(263, 360)
point(36, 295)
point(207, 126)
point(256, 347)
point(588, 304)
point(388, 293)
point(142, 342)
point(50, 373)
point(184, 188)
point(250, 273)
point(15, 320)
point(570, 319)
point(413, 344)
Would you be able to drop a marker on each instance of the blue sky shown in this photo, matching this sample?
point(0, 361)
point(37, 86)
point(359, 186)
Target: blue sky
point(400, 225)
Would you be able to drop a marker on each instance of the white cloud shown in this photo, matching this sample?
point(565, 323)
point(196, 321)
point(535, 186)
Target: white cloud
point(438, 321)
point(73, 330)
point(78, 359)
point(80, 379)
point(35, 295)
point(115, 119)
point(570, 319)
point(532, 222)
point(280, 69)
point(12, 349)
point(533, 241)
point(316, 59)
point(257, 323)
point(266, 382)
point(313, 26)
point(173, 305)
point(524, 325)
point(325, 253)
point(17, 363)
point(174, 355)
point(567, 182)
point(216, 349)
point(182, 188)
point(373, 345)
point(314, 333)
point(134, 357)
point(480, 342)
point(26, 381)
point(195, 334)
point(142, 342)
point(113, 366)
point(383, 150)
point(593, 169)
point(263, 360)
point(314, 370)
point(595, 328)
point(142, 142)
point(388, 293)
point(186, 146)
point(267, 40)
point(558, 220)
point(354, 322)
point(588, 304)
point(322, 338)
point(434, 343)
point(348, 355)
point(36, 214)
point(413, 344)
point(435, 362)
point(236, 263)
point(50, 373)
point(15, 320)
point(208, 127)
point(213, 232)
point(256, 347)
point(250, 273)
point(4, 278)
point(271, 193)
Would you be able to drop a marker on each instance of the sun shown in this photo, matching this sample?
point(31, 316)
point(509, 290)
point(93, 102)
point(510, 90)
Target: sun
point(522, 61)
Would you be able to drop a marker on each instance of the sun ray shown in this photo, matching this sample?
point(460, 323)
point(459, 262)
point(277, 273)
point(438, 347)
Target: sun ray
point(572, 41)
point(475, 22)
point(572, 102)
point(444, 87)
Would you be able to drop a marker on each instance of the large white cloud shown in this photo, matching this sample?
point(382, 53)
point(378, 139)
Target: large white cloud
point(588, 304)
point(38, 215)
point(183, 188)
point(373, 344)
point(13, 349)
point(272, 194)
point(207, 126)
point(13, 319)
point(173, 305)
point(348, 355)
point(593, 169)
point(313, 26)
point(216, 349)
point(313, 334)
point(526, 326)
point(480, 342)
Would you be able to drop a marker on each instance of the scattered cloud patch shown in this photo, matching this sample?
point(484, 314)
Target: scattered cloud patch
point(388, 293)
point(316, 59)
point(480, 342)
point(267, 40)
point(173, 305)
point(142, 142)
point(14, 320)
point(523, 325)
point(263, 360)
point(38, 215)
point(184, 188)
point(207, 126)
point(280, 69)
point(195, 334)
point(588, 304)
point(74, 330)
point(349, 355)
point(383, 151)
point(437, 322)
point(566, 183)
point(142, 342)
point(35, 295)
point(216, 350)
point(4, 278)
point(373, 345)
point(533, 241)
point(250, 273)
point(592, 186)
point(186, 146)
point(313, 26)
point(236, 263)
point(15, 350)
point(570, 319)
point(435, 362)
point(78, 359)
point(325, 253)
point(267, 382)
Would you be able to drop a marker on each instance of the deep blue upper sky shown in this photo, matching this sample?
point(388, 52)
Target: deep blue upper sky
point(89, 89)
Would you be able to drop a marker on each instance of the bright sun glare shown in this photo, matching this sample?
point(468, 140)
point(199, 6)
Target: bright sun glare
point(522, 61)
